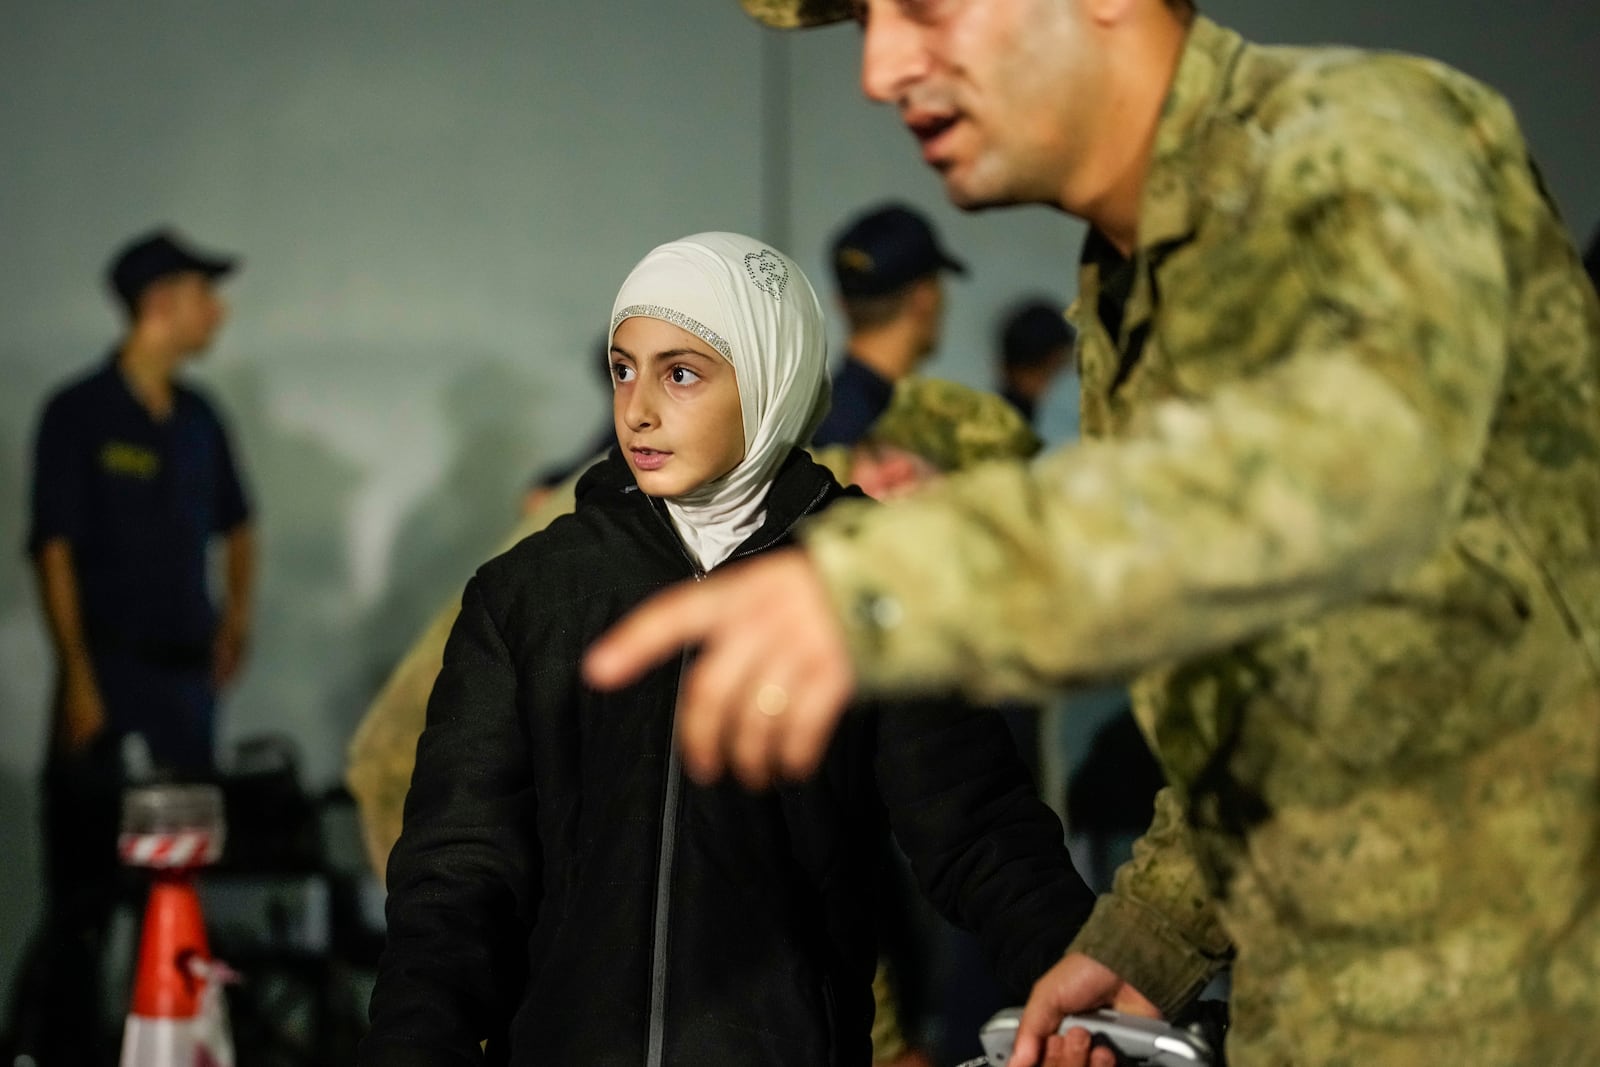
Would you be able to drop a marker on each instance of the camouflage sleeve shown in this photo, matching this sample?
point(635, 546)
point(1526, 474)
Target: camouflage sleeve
point(1316, 474)
point(383, 749)
point(836, 458)
point(1157, 928)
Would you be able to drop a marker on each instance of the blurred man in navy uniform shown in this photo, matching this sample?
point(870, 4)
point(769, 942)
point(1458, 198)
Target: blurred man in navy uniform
point(133, 478)
point(1035, 347)
point(888, 265)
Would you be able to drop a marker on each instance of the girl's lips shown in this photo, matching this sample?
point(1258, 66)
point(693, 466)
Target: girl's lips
point(648, 459)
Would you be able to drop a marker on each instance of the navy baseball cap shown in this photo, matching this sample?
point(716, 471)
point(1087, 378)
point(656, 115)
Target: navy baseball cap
point(159, 254)
point(886, 249)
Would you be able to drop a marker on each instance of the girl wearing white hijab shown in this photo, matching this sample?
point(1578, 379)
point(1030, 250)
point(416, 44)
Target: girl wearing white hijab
point(748, 323)
point(561, 893)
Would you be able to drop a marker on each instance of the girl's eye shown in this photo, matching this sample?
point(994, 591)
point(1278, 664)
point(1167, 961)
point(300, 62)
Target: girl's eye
point(621, 372)
point(683, 376)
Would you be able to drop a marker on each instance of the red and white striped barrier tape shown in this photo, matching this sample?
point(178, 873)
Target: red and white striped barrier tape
point(167, 851)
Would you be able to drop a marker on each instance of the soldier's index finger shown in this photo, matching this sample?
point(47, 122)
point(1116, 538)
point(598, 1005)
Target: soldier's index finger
point(647, 635)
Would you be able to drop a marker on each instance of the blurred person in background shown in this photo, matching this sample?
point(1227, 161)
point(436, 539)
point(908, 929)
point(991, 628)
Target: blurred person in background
point(889, 267)
point(547, 482)
point(134, 478)
point(1035, 347)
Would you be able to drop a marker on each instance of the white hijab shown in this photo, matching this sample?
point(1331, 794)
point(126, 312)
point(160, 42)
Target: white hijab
point(752, 305)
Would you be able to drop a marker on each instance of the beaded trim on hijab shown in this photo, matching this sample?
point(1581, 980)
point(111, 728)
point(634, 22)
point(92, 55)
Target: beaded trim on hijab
point(678, 319)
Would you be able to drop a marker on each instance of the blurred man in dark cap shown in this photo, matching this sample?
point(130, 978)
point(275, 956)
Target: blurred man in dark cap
point(888, 265)
point(1035, 346)
point(133, 477)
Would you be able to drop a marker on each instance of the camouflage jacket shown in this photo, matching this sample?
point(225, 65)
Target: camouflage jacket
point(1342, 520)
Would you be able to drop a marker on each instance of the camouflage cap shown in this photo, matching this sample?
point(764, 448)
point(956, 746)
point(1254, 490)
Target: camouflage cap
point(836, 458)
point(796, 14)
point(951, 425)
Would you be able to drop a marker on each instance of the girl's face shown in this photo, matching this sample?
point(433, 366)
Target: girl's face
point(676, 407)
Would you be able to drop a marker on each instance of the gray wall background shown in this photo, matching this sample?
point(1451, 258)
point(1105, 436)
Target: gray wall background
point(436, 202)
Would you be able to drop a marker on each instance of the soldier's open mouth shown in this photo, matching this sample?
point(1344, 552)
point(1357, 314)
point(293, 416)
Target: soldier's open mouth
point(930, 130)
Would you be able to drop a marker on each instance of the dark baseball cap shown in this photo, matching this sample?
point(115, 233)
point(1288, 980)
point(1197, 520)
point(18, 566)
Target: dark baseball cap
point(160, 254)
point(886, 249)
point(1033, 333)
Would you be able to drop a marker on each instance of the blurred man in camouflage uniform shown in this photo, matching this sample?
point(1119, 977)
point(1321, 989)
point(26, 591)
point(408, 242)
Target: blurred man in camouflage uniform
point(929, 428)
point(1340, 515)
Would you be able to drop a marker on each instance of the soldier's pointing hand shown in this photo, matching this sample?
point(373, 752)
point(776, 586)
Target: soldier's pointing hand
point(771, 677)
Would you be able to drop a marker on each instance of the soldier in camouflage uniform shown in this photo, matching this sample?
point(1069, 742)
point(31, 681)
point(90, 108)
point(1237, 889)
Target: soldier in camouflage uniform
point(1339, 515)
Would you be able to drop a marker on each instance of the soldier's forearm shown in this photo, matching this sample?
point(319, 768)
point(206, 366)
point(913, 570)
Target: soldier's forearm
point(1328, 467)
point(1157, 928)
point(1278, 498)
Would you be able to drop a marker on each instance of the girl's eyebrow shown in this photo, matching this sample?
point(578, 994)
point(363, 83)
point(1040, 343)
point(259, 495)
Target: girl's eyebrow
point(669, 353)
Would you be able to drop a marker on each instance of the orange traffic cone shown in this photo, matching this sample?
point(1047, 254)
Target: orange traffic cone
point(178, 1017)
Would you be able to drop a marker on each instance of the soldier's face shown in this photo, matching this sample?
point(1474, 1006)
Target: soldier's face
point(675, 406)
point(1004, 97)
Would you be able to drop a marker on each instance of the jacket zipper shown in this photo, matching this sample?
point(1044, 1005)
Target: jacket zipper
point(656, 1044)
point(657, 1047)
point(667, 851)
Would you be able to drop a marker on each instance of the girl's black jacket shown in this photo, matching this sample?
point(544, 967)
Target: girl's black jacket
point(564, 892)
